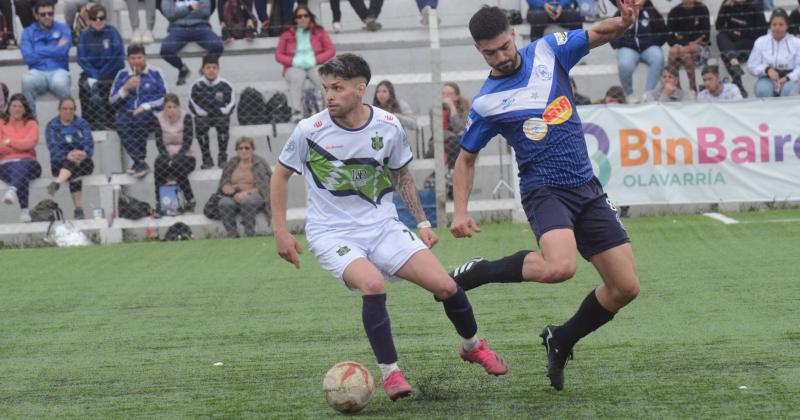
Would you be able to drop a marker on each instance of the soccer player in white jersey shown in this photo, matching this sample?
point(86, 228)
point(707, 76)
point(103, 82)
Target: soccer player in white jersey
point(353, 156)
point(528, 99)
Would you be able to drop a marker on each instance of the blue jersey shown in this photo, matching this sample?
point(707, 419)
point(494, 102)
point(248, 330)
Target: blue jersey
point(534, 110)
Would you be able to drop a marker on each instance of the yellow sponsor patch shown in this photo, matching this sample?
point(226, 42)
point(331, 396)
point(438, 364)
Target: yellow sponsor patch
point(534, 128)
point(558, 111)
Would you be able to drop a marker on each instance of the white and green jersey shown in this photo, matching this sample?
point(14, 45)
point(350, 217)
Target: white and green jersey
point(347, 170)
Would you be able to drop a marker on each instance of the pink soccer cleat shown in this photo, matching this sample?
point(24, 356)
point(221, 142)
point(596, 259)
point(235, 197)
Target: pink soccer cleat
point(483, 355)
point(396, 386)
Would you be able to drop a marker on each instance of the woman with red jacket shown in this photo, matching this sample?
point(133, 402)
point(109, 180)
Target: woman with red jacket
point(302, 49)
point(19, 133)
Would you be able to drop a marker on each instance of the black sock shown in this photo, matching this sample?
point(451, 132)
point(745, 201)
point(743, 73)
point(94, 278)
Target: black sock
point(505, 270)
point(590, 316)
point(459, 311)
point(378, 328)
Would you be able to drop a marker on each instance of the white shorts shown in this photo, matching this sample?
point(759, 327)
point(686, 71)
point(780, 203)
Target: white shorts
point(388, 247)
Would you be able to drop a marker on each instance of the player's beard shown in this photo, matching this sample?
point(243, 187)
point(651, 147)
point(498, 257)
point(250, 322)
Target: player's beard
point(507, 67)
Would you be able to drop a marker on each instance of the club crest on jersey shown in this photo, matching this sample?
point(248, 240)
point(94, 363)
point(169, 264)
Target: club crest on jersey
point(534, 128)
point(317, 124)
point(389, 117)
point(377, 142)
point(561, 38)
point(343, 250)
point(543, 73)
point(558, 111)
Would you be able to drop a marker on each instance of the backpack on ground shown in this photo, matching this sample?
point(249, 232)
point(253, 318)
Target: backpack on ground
point(178, 232)
point(44, 211)
point(278, 110)
point(252, 109)
point(131, 208)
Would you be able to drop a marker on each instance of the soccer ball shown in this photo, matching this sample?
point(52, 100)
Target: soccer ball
point(348, 387)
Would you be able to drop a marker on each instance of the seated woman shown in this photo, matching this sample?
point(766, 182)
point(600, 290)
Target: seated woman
point(245, 184)
point(69, 140)
point(456, 110)
point(387, 100)
point(775, 59)
point(19, 133)
point(174, 162)
point(668, 89)
point(302, 49)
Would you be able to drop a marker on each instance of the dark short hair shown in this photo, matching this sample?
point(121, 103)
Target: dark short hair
point(672, 70)
point(346, 66)
point(97, 9)
point(210, 59)
point(27, 116)
point(487, 23)
point(710, 69)
point(172, 98)
point(43, 3)
point(136, 49)
point(779, 13)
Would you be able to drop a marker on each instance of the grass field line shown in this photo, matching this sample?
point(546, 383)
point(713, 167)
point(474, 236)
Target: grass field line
point(794, 220)
point(721, 218)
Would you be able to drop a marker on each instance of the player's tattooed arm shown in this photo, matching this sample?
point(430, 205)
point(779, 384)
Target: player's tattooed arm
point(404, 186)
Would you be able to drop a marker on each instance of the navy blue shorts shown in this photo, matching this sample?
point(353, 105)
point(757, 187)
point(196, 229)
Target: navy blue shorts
point(585, 209)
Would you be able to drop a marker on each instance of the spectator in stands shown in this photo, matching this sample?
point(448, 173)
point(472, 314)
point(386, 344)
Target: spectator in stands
point(24, 9)
point(174, 134)
point(668, 90)
point(689, 34)
point(579, 99)
point(386, 99)
point(425, 7)
point(45, 49)
point(237, 20)
point(739, 23)
point(614, 95)
point(455, 109)
point(369, 16)
point(19, 133)
point(544, 12)
point(794, 21)
point(72, 7)
point(212, 101)
point(245, 184)
point(69, 140)
point(302, 49)
point(715, 90)
point(101, 55)
point(282, 15)
point(641, 43)
point(137, 93)
point(775, 59)
point(188, 22)
point(142, 35)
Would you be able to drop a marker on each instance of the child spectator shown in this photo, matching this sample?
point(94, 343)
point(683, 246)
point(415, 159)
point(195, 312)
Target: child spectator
point(668, 90)
point(212, 100)
point(69, 140)
point(614, 95)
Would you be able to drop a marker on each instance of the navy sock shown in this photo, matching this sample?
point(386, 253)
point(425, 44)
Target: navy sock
point(378, 328)
point(459, 311)
point(590, 316)
point(505, 270)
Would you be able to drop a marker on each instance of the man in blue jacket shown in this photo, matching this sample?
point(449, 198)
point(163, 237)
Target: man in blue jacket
point(544, 12)
point(138, 93)
point(101, 55)
point(188, 22)
point(45, 50)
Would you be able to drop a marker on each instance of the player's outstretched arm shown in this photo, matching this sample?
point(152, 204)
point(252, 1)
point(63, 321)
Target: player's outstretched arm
point(404, 186)
point(287, 246)
point(614, 27)
point(463, 177)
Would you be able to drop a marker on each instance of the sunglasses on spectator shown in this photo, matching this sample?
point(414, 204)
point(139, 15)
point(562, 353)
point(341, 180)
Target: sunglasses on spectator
point(98, 18)
point(244, 148)
point(46, 14)
point(303, 16)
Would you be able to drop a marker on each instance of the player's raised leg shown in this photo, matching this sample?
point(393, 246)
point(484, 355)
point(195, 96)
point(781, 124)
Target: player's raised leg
point(362, 275)
point(425, 270)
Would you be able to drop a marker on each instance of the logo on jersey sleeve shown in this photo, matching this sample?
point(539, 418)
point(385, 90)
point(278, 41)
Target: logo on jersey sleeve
point(343, 250)
point(561, 38)
point(362, 177)
point(534, 128)
point(377, 142)
point(559, 111)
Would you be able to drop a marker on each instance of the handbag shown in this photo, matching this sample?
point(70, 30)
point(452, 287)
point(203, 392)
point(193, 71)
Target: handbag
point(211, 209)
point(63, 233)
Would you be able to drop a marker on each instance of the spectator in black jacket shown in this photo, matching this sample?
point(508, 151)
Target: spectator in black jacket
point(689, 34)
point(739, 23)
point(641, 43)
point(212, 101)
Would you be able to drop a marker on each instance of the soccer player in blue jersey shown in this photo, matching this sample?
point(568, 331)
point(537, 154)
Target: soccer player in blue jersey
point(528, 100)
